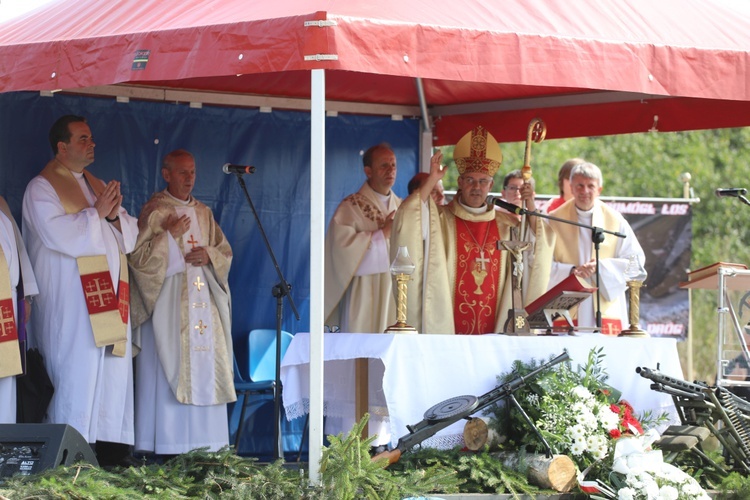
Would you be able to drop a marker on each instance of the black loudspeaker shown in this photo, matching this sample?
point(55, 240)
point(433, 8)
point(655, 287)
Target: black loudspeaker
point(31, 448)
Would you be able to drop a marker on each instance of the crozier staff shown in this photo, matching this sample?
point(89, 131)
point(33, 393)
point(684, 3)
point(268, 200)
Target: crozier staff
point(462, 281)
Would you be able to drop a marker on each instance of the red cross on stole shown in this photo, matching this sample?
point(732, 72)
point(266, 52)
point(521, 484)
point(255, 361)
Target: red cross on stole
point(8, 330)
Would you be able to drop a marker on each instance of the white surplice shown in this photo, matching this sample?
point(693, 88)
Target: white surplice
point(19, 267)
point(611, 270)
point(93, 388)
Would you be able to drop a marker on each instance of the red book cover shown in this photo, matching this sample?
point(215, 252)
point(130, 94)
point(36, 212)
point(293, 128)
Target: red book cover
point(548, 301)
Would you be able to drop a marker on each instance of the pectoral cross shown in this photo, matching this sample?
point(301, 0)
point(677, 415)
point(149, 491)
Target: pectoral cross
point(481, 260)
point(517, 323)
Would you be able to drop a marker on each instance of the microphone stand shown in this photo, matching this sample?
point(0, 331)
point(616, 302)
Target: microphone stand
point(597, 237)
point(280, 290)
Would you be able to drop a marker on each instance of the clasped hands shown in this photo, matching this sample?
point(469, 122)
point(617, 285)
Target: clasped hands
point(108, 202)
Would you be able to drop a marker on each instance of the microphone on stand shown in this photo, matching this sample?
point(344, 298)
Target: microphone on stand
point(230, 168)
point(510, 207)
point(733, 192)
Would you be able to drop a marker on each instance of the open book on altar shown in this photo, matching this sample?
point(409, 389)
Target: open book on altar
point(558, 301)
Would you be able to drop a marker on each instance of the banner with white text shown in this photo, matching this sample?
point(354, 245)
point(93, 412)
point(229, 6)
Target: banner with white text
point(664, 230)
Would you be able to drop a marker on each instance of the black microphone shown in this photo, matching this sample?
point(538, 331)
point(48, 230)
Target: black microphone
point(510, 207)
point(229, 168)
point(733, 192)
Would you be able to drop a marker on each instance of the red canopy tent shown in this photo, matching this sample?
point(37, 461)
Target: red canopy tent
point(585, 67)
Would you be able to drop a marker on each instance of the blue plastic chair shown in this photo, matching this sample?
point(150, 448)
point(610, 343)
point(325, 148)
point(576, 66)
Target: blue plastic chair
point(261, 370)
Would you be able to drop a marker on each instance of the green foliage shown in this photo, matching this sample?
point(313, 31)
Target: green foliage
point(707, 475)
point(650, 165)
point(734, 487)
point(198, 474)
point(575, 411)
point(475, 472)
point(348, 472)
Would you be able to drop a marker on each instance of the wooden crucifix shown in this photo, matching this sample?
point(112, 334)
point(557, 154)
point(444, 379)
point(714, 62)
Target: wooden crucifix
point(517, 323)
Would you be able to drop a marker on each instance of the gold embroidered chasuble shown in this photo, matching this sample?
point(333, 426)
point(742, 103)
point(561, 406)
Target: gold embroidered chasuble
point(149, 261)
point(109, 312)
point(567, 249)
point(442, 268)
point(365, 302)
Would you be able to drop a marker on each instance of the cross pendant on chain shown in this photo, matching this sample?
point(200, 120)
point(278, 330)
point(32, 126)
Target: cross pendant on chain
point(481, 260)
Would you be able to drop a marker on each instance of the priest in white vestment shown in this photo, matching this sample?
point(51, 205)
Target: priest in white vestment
point(463, 275)
point(77, 235)
point(358, 296)
point(574, 251)
point(182, 316)
point(16, 269)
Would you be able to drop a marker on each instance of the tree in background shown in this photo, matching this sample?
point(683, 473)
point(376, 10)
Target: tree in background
point(650, 165)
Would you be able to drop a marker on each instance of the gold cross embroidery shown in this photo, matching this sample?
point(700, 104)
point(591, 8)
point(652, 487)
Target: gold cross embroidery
point(198, 283)
point(7, 323)
point(98, 295)
point(200, 327)
point(192, 241)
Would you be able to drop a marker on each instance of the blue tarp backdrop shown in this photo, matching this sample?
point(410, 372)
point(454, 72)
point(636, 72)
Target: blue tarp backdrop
point(132, 138)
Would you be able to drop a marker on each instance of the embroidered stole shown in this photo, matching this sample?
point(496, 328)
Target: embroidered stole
point(566, 250)
point(108, 311)
point(200, 327)
point(478, 263)
point(10, 354)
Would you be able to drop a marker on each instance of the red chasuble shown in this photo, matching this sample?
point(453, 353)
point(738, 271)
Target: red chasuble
point(477, 276)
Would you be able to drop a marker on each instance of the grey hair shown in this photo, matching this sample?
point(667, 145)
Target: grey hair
point(588, 170)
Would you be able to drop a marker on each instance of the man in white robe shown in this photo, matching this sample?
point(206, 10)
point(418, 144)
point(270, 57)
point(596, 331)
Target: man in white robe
point(184, 371)
point(574, 251)
point(16, 259)
point(463, 274)
point(358, 296)
point(70, 218)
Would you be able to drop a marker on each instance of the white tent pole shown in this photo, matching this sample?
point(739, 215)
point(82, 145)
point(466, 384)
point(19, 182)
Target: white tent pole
point(317, 234)
point(425, 150)
point(425, 139)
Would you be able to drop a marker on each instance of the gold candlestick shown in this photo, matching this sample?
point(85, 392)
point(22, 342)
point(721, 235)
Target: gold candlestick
point(401, 268)
point(636, 275)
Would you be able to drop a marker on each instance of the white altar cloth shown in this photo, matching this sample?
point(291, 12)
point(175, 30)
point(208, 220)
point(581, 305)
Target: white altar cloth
point(411, 373)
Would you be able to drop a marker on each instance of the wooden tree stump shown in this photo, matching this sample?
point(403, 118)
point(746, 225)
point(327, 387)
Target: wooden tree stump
point(477, 434)
point(557, 473)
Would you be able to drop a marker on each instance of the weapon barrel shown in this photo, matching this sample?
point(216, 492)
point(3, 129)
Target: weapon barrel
point(517, 382)
point(666, 380)
point(425, 429)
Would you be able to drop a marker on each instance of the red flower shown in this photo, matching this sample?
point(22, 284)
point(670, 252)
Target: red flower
point(615, 433)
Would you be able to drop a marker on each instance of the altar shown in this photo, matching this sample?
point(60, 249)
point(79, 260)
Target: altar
point(408, 374)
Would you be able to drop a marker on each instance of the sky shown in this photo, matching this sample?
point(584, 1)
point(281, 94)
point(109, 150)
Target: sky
point(14, 8)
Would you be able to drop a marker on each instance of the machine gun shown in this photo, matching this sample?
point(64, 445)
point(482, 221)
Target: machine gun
point(452, 410)
point(726, 415)
point(673, 386)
